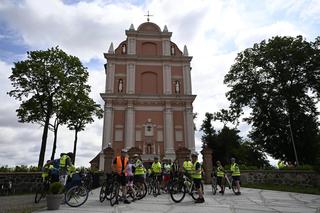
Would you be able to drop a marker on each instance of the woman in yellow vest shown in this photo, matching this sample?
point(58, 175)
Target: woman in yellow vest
point(197, 177)
point(235, 174)
point(220, 176)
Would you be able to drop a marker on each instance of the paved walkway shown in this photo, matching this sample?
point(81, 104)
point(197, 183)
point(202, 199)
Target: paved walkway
point(251, 200)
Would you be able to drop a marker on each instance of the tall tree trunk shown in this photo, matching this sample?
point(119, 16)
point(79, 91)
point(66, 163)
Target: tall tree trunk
point(75, 146)
point(45, 135)
point(56, 127)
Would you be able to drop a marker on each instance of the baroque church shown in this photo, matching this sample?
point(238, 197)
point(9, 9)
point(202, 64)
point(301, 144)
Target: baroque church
point(148, 95)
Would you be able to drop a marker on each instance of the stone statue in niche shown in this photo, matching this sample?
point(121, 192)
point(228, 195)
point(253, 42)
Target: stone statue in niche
point(124, 49)
point(177, 87)
point(172, 50)
point(120, 85)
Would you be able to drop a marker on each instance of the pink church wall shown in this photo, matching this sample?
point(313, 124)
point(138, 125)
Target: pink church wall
point(148, 83)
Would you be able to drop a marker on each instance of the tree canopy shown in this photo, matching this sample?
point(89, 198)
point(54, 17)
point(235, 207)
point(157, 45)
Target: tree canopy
point(43, 83)
point(279, 80)
point(227, 143)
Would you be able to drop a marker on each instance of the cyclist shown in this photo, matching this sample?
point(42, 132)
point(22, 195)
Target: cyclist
point(220, 176)
point(166, 168)
point(119, 166)
point(187, 166)
point(46, 170)
point(156, 169)
point(235, 174)
point(66, 167)
point(130, 172)
point(139, 170)
point(196, 176)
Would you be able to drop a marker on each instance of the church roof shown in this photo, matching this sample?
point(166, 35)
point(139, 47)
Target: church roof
point(149, 27)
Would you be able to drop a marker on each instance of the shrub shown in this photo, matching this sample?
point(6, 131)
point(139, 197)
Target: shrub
point(56, 188)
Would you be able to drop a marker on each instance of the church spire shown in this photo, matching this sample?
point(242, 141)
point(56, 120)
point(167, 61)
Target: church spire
point(185, 50)
point(111, 50)
point(165, 29)
point(131, 27)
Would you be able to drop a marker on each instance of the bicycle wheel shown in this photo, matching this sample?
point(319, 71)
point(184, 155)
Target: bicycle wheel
point(177, 191)
point(150, 188)
point(76, 196)
point(114, 193)
point(141, 190)
point(194, 193)
point(108, 191)
point(103, 190)
point(214, 185)
point(156, 188)
point(40, 193)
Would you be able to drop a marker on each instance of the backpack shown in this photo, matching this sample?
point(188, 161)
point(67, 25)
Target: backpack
point(56, 163)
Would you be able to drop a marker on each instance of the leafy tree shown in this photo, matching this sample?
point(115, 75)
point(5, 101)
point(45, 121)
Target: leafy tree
point(38, 81)
point(81, 109)
point(279, 80)
point(209, 134)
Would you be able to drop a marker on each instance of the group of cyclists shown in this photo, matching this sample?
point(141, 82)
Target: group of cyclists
point(131, 170)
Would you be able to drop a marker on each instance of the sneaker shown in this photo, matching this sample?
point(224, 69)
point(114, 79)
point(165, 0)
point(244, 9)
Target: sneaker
point(238, 193)
point(200, 200)
point(126, 201)
point(220, 192)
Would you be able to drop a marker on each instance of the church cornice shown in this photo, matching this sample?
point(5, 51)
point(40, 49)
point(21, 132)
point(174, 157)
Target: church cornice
point(141, 58)
point(152, 99)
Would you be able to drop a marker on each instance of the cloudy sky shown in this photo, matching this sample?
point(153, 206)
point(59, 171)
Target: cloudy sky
point(214, 31)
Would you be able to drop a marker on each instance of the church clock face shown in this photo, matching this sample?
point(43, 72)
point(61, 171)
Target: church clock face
point(148, 97)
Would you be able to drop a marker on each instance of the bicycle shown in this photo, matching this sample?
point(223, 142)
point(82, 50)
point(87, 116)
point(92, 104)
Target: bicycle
point(105, 191)
point(115, 195)
point(154, 185)
point(76, 191)
point(42, 190)
point(230, 184)
point(184, 185)
point(141, 190)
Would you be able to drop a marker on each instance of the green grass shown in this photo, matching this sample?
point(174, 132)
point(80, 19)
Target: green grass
point(298, 189)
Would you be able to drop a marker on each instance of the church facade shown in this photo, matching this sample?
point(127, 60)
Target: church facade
point(148, 95)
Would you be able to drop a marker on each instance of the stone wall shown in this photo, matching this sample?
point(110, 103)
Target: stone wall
point(20, 182)
point(26, 182)
point(281, 177)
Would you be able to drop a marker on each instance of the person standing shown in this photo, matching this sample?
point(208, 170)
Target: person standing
point(220, 176)
point(235, 174)
point(197, 177)
point(119, 167)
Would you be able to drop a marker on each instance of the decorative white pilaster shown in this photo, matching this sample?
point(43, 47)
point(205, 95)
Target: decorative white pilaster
point(166, 47)
point(110, 78)
point(131, 46)
point(190, 143)
point(129, 128)
point(107, 125)
point(187, 79)
point(101, 161)
point(167, 87)
point(169, 137)
point(131, 70)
